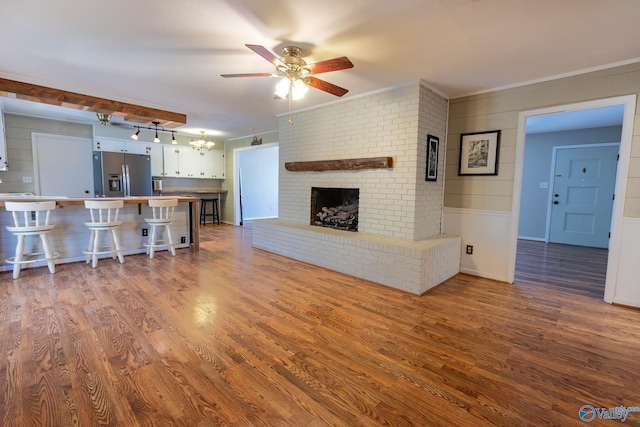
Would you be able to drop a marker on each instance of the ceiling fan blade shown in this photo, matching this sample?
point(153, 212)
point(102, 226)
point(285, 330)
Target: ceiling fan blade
point(326, 86)
point(334, 64)
point(246, 75)
point(264, 52)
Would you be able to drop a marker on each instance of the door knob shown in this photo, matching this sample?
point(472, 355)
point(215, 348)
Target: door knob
point(555, 202)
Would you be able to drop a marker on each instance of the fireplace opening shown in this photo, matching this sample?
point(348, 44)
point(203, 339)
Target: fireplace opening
point(335, 208)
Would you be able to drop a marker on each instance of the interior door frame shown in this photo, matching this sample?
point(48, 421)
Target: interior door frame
point(552, 177)
point(629, 102)
point(236, 170)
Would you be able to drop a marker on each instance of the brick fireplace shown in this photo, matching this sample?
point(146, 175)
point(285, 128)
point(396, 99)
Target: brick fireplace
point(335, 208)
point(399, 241)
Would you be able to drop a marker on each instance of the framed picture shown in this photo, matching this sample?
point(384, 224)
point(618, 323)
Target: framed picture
point(432, 158)
point(479, 153)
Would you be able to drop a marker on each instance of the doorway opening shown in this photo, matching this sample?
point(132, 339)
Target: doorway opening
point(256, 183)
point(597, 122)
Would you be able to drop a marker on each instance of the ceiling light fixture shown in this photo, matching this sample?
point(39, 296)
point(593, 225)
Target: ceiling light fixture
point(201, 143)
point(157, 128)
point(104, 118)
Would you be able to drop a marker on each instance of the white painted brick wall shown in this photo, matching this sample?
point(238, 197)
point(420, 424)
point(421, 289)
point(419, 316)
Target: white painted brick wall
point(393, 202)
point(411, 266)
point(398, 242)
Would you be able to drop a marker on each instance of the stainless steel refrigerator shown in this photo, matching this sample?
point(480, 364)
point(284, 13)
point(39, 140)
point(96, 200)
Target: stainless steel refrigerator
point(121, 174)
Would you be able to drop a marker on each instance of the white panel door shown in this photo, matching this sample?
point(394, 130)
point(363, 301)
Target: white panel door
point(62, 165)
point(583, 196)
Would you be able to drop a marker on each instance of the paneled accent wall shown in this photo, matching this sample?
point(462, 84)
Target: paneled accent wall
point(19, 152)
point(500, 109)
point(467, 198)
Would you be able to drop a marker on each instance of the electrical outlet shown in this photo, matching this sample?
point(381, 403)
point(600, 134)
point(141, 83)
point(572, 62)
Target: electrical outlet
point(183, 239)
point(469, 250)
point(145, 232)
point(27, 179)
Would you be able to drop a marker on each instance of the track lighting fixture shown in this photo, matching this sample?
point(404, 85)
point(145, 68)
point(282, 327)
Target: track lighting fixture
point(156, 127)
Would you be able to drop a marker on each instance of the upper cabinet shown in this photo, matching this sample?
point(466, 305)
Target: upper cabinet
point(122, 146)
point(211, 164)
point(178, 161)
point(185, 162)
point(217, 157)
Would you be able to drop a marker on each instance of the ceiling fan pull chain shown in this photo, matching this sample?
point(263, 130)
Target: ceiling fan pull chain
point(290, 98)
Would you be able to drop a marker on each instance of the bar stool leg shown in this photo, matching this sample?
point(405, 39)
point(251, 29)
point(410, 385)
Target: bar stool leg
point(91, 237)
point(170, 240)
point(94, 256)
point(48, 253)
point(152, 241)
point(18, 259)
point(117, 244)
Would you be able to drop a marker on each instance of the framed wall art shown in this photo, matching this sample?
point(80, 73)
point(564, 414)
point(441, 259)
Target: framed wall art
point(433, 144)
point(479, 153)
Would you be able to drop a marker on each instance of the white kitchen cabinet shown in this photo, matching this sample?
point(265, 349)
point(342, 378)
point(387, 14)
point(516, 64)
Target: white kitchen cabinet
point(178, 161)
point(185, 162)
point(217, 159)
point(190, 163)
point(211, 164)
point(156, 152)
point(122, 146)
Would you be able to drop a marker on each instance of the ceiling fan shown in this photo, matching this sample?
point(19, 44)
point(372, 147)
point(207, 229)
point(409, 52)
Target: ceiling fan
point(296, 73)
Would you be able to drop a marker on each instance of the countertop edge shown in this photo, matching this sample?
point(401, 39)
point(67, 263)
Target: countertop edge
point(80, 201)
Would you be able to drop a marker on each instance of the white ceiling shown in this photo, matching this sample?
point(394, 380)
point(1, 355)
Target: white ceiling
point(169, 54)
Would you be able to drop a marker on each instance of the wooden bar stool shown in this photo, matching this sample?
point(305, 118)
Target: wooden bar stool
point(31, 219)
point(104, 217)
point(162, 211)
point(215, 214)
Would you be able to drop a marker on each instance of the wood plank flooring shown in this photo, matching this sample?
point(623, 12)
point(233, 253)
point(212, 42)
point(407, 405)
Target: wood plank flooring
point(575, 269)
point(236, 336)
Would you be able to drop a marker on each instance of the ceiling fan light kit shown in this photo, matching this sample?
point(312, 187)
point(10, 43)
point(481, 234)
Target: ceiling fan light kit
point(296, 73)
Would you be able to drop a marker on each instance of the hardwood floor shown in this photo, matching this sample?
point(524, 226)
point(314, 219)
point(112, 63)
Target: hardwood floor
point(574, 269)
point(232, 335)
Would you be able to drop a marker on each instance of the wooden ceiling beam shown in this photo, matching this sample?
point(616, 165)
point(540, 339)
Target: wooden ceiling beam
point(130, 112)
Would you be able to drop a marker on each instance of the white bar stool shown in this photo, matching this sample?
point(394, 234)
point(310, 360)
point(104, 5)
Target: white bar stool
point(31, 219)
point(162, 217)
point(104, 217)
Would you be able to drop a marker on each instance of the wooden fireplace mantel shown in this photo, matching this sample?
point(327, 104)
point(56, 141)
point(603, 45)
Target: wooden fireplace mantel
point(344, 164)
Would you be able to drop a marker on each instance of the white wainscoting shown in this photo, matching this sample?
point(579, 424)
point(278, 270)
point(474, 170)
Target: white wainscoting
point(488, 233)
point(627, 278)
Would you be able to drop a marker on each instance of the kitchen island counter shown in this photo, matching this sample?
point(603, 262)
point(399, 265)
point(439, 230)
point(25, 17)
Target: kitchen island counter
point(70, 236)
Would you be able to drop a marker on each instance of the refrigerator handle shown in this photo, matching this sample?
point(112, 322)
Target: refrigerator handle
point(127, 182)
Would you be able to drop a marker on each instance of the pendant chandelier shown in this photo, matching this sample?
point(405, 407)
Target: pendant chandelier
point(199, 144)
